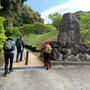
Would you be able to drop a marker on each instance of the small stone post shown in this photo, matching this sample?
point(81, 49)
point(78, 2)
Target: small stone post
point(26, 62)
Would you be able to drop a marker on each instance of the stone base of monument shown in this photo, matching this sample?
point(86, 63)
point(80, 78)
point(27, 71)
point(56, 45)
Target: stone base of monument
point(70, 53)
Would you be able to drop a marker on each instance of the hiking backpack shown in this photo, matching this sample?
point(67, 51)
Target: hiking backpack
point(18, 43)
point(8, 45)
point(48, 49)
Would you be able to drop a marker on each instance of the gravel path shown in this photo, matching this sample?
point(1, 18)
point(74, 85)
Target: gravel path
point(35, 77)
point(57, 78)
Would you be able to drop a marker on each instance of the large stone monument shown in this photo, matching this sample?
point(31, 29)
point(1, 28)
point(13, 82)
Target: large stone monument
point(69, 30)
point(69, 47)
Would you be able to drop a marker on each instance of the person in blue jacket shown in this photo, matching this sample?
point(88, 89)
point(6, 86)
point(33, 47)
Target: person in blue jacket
point(9, 48)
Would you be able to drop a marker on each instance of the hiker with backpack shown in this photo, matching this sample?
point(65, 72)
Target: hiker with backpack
point(46, 54)
point(20, 48)
point(9, 48)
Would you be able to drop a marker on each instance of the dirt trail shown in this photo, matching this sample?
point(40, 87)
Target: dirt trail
point(32, 60)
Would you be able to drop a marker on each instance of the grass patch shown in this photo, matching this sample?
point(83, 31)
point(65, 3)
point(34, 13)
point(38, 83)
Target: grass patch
point(37, 40)
point(35, 53)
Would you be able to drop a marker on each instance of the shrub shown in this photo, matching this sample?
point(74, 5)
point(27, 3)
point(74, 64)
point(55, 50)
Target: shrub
point(27, 29)
point(15, 32)
point(85, 27)
point(2, 33)
point(39, 28)
point(50, 28)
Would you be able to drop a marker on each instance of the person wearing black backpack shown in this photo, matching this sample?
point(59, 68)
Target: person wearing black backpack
point(20, 47)
point(9, 48)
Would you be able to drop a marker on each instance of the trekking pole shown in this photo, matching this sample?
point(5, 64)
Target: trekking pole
point(26, 62)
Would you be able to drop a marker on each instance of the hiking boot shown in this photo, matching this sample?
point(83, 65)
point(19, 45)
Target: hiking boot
point(47, 68)
point(10, 71)
point(17, 61)
point(5, 75)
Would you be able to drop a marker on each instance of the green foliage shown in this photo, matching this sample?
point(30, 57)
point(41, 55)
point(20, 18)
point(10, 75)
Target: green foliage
point(37, 17)
point(0, 7)
point(17, 14)
point(50, 28)
point(39, 28)
point(16, 32)
point(36, 40)
point(56, 19)
point(27, 29)
point(85, 27)
point(11, 11)
point(2, 33)
point(36, 28)
point(28, 16)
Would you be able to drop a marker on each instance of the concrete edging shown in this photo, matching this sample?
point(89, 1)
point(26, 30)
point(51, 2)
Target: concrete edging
point(69, 63)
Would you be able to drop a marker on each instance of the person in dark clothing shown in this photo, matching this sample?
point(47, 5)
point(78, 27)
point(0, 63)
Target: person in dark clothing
point(9, 48)
point(20, 48)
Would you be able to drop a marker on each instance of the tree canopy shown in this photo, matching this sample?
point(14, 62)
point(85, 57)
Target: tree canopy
point(17, 14)
point(56, 19)
point(85, 26)
point(28, 16)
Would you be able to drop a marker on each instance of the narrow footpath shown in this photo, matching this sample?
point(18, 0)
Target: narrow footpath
point(32, 60)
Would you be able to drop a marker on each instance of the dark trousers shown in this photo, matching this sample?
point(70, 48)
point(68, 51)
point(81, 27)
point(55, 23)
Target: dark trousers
point(8, 56)
point(46, 58)
point(21, 55)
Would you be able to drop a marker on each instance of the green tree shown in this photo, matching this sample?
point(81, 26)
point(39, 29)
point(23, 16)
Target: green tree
point(56, 19)
point(26, 29)
point(17, 14)
point(39, 28)
point(28, 16)
point(2, 33)
point(15, 32)
point(37, 17)
point(11, 11)
point(85, 26)
point(49, 28)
